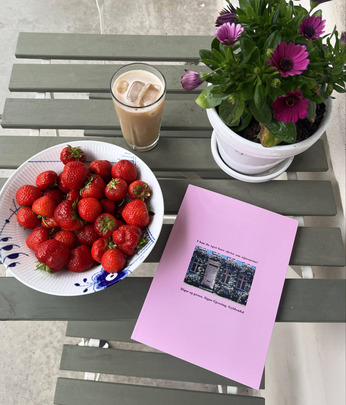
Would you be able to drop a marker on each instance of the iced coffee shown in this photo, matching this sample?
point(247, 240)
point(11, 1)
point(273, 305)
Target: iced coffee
point(138, 92)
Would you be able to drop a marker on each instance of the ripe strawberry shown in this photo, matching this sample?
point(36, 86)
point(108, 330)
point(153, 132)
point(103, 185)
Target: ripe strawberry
point(46, 180)
point(105, 224)
point(94, 187)
point(113, 260)
point(52, 255)
point(116, 189)
point(36, 237)
point(27, 218)
point(66, 216)
point(108, 206)
point(125, 170)
point(70, 154)
point(87, 235)
point(127, 238)
point(74, 175)
point(61, 185)
point(49, 223)
point(68, 238)
point(139, 189)
point(100, 246)
point(80, 259)
point(55, 194)
point(136, 213)
point(103, 168)
point(73, 196)
point(27, 194)
point(89, 209)
point(44, 206)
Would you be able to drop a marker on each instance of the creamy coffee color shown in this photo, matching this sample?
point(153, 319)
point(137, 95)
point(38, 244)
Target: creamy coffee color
point(138, 97)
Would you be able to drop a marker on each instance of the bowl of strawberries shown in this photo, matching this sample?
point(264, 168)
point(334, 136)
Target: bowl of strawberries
point(78, 218)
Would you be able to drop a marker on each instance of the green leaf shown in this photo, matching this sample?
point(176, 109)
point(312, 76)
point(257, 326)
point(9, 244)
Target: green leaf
point(247, 90)
point(250, 12)
point(264, 114)
point(308, 82)
point(276, 15)
point(210, 63)
point(272, 41)
point(285, 132)
point(311, 111)
point(211, 96)
point(244, 121)
point(247, 47)
point(267, 138)
point(215, 44)
point(230, 113)
point(259, 96)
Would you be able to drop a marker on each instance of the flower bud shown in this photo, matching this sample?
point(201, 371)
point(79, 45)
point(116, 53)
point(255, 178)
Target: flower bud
point(257, 70)
point(232, 99)
point(276, 83)
point(269, 53)
point(343, 41)
point(191, 80)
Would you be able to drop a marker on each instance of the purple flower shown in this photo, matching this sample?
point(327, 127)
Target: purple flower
point(312, 27)
point(228, 34)
point(290, 107)
point(226, 15)
point(289, 59)
point(191, 80)
point(343, 39)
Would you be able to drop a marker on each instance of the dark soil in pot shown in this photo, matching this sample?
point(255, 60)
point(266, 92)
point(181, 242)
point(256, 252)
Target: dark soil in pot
point(305, 128)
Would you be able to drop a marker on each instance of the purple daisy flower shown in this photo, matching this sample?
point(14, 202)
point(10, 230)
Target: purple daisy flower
point(191, 80)
point(228, 34)
point(289, 60)
point(226, 15)
point(290, 107)
point(312, 27)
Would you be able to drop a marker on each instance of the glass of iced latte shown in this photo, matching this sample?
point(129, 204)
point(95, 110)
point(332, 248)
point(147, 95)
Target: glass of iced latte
point(138, 92)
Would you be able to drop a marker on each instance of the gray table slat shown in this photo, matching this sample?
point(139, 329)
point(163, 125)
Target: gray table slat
point(199, 158)
point(119, 331)
point(163, 133)
point(300, 299)
point(93, 114)
point(312, 160)
point(80, 392)
point(110, 47)
point(83, 78)
point(284, 197)
point(2, 182)
point(137, 364)
point(312, 247)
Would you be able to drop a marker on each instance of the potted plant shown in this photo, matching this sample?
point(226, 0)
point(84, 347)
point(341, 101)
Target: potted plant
point(272, 74)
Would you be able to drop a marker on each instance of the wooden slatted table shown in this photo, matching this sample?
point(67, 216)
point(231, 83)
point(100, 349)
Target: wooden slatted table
point(182, 157)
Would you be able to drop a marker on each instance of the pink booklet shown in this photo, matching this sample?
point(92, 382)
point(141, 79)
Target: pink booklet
point(215, 294)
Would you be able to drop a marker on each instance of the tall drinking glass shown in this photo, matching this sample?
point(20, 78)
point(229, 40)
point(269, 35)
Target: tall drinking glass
point(138, 92)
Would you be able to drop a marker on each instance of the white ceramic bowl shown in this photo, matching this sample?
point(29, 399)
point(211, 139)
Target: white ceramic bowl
point(21, 261)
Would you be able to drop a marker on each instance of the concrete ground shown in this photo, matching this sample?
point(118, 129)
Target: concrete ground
point(306, 363)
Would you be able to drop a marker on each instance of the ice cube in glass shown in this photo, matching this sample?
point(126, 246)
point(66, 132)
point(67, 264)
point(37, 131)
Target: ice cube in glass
point(122, 86)
point(134, 91)
point(149, 94)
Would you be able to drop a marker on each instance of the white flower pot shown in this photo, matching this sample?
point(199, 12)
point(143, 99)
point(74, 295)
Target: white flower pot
point(249, 157)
